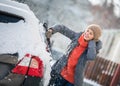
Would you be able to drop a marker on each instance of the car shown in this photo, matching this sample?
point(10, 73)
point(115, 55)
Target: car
point(22, 33)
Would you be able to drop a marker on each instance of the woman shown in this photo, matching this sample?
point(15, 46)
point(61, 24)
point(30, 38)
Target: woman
point(69, 69)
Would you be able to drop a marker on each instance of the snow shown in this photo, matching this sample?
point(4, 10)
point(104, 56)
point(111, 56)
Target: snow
point(19, 37)
point(96, 2)
point(24, 36)
point(117, 7)
point(91, 83)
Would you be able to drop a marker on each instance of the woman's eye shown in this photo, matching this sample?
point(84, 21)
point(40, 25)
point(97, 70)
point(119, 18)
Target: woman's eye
point(87, 30)
point(91, 33)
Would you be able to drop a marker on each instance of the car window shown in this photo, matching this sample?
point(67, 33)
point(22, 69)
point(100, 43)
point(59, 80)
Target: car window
point(9, 18)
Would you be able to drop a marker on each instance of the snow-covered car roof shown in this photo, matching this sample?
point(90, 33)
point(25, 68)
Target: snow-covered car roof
point(16, 8)
point(23, 36)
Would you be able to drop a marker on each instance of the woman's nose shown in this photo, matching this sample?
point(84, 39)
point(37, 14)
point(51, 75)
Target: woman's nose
point(87, 33)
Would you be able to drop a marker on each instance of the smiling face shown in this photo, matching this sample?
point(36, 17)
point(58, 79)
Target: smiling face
point(88, 35)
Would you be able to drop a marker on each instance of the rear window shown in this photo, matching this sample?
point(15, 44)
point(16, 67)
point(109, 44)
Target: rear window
point(9, 18)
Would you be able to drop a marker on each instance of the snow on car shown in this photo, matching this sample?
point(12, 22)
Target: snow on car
point(20, 31)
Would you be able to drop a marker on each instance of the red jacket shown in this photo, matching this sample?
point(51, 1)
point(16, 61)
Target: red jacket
point(69, 70)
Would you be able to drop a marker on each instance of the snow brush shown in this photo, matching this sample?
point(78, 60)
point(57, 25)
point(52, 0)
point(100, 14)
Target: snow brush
point(45, 25)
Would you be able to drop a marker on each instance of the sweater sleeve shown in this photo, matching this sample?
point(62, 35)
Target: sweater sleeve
point(93, 49)
point(63, 30)
point(91, 52)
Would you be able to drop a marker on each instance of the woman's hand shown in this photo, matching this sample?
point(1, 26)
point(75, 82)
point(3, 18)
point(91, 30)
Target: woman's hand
point(49, 33)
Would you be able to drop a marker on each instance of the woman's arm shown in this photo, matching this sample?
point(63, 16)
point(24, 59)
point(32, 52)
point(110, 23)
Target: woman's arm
point(91, 52)
point(64, 30)
point(93, 49)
